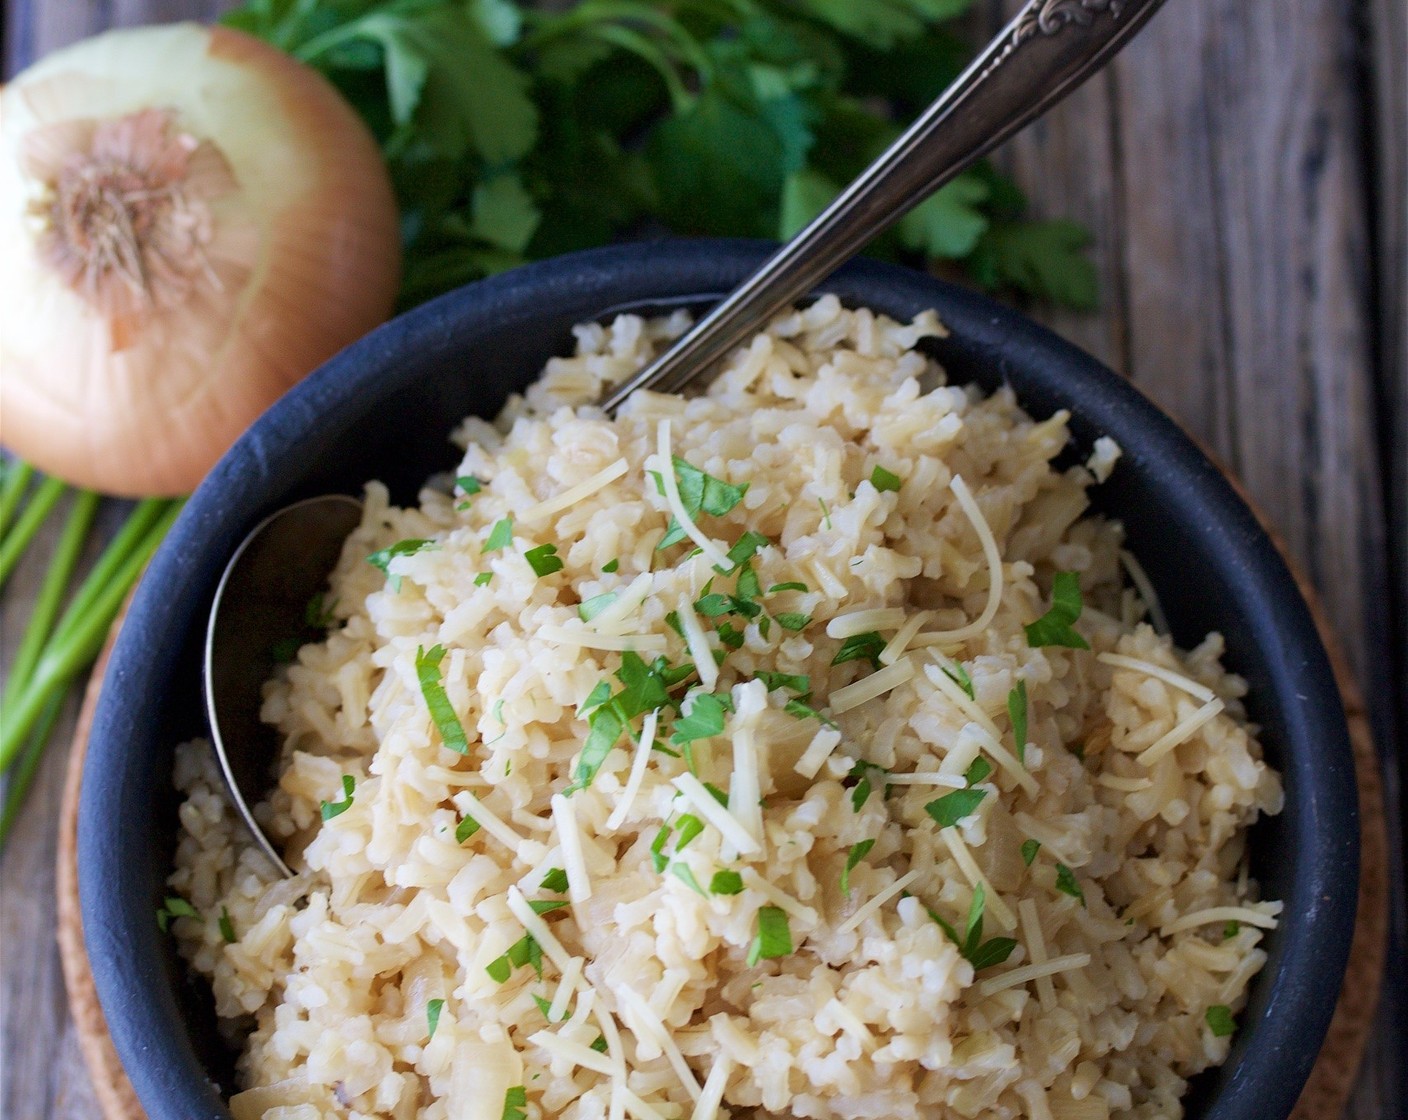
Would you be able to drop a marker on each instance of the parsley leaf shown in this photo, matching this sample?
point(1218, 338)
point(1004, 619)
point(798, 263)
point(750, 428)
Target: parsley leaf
point(227, 927)
point(467, 827)
point(555, 881)
point(500, 536)
point(1054, 627)
point(884, 480)
point(515, 1100)
point(953, 807)
point(437, 702)
point(1219, 1020)
point(980, 769)
point(1046, 259)
point(858, 852)
point(682, 872)
point(588, 609)
point(791, 585)
point(979, 953)
point(381, 559)
point(774, 936)
point(1017, 713)
point(793, 620)
point(959, 676)
point(330, 809)
point(432, 1017)
point(1029, 850)
point(1066, 883)
point(174, 907)
point(543, 559)
point(703, 719)
point(799, 683)
point(860, 647)
point(726, 882)
point(701, 493)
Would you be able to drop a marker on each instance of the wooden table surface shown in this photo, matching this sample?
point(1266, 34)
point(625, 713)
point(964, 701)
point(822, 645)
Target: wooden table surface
point(1243, 168)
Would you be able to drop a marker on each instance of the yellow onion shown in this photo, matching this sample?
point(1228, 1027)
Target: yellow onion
point(190, 221)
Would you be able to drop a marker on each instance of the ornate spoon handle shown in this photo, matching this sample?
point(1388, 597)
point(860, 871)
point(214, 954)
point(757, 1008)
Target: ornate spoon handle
point(1044, 53)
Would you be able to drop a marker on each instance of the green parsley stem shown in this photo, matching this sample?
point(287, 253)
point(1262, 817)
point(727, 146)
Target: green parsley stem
point(46, 496)
point(17, 476)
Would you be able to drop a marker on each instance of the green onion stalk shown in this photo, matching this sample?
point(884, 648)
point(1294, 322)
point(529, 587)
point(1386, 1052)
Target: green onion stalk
point(59, 643)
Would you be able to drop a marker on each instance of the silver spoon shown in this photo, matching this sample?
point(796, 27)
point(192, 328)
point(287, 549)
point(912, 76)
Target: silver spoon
point(261, 605)
point(1048, 49)
point(1044, 53)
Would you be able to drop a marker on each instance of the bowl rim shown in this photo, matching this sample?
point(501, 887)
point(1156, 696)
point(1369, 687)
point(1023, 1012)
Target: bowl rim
point(1273, 1056)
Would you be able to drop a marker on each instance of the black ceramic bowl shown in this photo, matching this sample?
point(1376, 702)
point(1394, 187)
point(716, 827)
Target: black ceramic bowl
point(383, 408)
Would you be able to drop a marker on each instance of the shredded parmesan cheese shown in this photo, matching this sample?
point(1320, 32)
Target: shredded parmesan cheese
point(1036, 949)
point(1168, 676)
point(1179, 734)
point(879, 900)
point(969, 866)
point(573, 1053)
point(578, 635)
point(650, 1026)
point(1140, 578)
point(1123, 785)
point(745, 792)
point(1005, 758)
point(781, 899)
point(571, 977)
point(707, 1107)
point(849, 1021)
point(1212, 914)
point(903, 636)
point(612, 619)
point(1027, 973)
point(969, 707)
point(569, 836)
point(573, 495)
point(868, 688)
point(823, 743)
point(488, 820)
point(637, 775)
point(698, 642)
point(519, 908)
point(860, 622)
point(672, 499)
point(637, 1107)
point(994, 561)
point(727, 824)
point(927, 778)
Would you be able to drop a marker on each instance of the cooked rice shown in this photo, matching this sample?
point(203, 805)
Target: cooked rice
point(646, 1005)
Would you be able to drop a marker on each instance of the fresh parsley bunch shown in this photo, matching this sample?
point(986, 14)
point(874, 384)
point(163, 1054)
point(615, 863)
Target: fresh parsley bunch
point(516, 132)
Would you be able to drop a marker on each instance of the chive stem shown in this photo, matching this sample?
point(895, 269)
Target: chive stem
point(23, 777)
point(77, 639)
point(17, 476)
point(35, 511)
point(139, 522)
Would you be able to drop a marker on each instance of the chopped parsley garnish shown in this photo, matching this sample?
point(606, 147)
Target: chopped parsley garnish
point(525, 950)
point(599, 1044)
point(951, 808)
point(174, 907)
point(799, 683)
point(802, 710)
point(863, 788)
point(883, 480)
point(717, 794)
point(545, 1006)
point(469, 485)
point(747, 587)
point(381, 559)
point(515, 1100)
point(483, 578)
point(858, 852)
point(467, 827)
point(317, 612)
point(703, 719)
point(432, 1017)
point(1066, 883)
point(645, 688)
point(1017, 713)
point(774, 936)
point(860, 647)
point(500, 536)
point(1029, 850)
point(596, 698)
point(227, 927)
point(699, 493)
point(793, 620)
point(542, 906)
point(825, 513)
point(438, 703)
point(791, 585)
point(682, 872)
point(544, 559)
point(611, 565)
point(979, 953)
point(555, 881)
point(730, 636)
point(1054, 627)
point(1219, 1020)
point(726, 882)
point(980, 769)
point(959, 676)
point(746, 546)
point(330, 809)
point(657, 849)
point(690, 826)
point(588, 609)
point(1231, 929)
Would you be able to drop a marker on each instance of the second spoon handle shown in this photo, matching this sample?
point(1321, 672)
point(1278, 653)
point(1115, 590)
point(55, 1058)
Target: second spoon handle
point(1044, 53)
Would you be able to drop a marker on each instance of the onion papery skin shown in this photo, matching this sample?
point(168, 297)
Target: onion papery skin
point(303, 259)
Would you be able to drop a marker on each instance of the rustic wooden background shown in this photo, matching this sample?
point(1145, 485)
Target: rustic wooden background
point(1243, 166)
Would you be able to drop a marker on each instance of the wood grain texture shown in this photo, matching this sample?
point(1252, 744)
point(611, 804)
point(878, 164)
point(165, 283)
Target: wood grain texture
point(1242, 167)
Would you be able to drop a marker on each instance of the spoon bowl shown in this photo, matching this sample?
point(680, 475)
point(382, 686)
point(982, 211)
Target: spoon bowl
point(266, 605)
